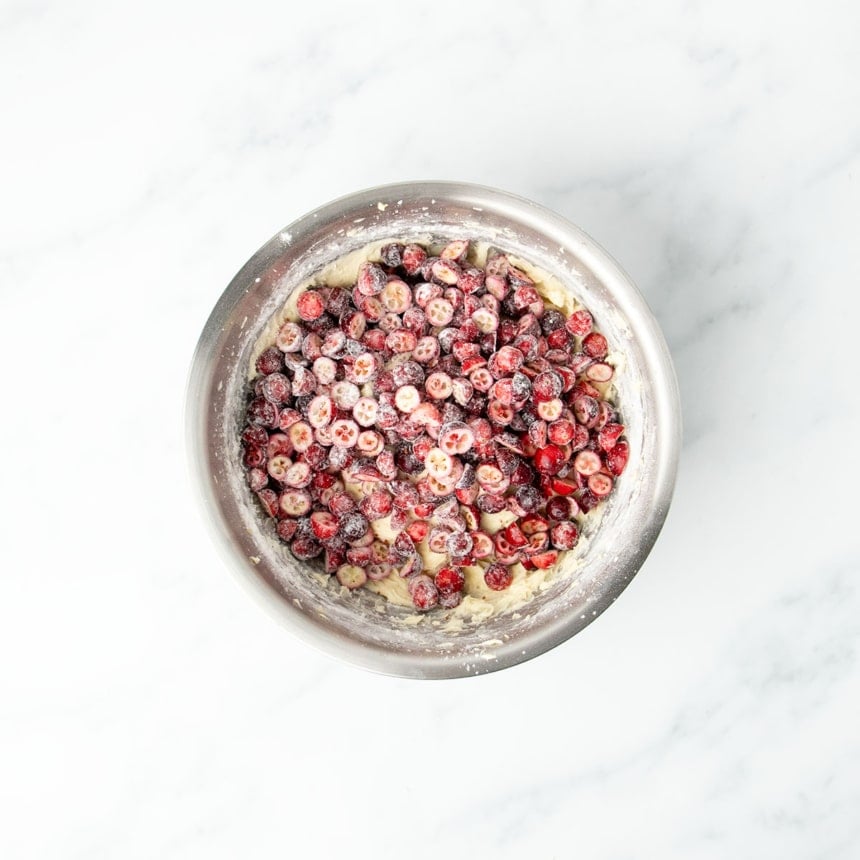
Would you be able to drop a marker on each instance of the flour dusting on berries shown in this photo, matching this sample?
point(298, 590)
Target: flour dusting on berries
point(436, 429)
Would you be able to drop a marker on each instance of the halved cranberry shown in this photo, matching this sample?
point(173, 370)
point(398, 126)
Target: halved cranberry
point(587, 463)
point(263, 412)
point(413, 257)
point(363, 368)
point(353, 526)
point(376, 505)
point(305, 547)
point(286, 529)
point(600, 371)
point(608, 436)
point(579, 323)
point(499, 413)
point(600, 484)
point(456, 250)
point(439, 312)
point(255, 435)
point(583, 388)
point(289, 338)
point(312, 346)
point(254, 456)
point(390, 322)
point(344, 433)
point(523, 474)
point(471, 279)
point(467, 495)
point(301, 436)
point(533, 523)
point(490, 503)
point(270, 360)
point(339, 458)
point(405, 495)
point(425, 293)
point(360, 555)
point(498, 577)
point(549, 460)
point(595, 346)
point(396, 297)
point(439, 386)
point(564, 535)
point(528, 498)
point(580, 438)
point(507, 461)
point(528, 345)
point(353, 323)
point(269, 499)
point(415, 320)
point(481, 379)
point(426, 349)
point(324, 525)
point(559, 508)
point(605, 414)
point(299, 474)
point(557, 357)
point(320, 411)
point(482, 544)
point(449, 579)
point(365, 411)
point(392, 254)
point(351, 576)
point(294, 503)
point(538, 542)
point(586, 500)
point(586, 410)
point(304, 382)
point(558, 340)
point(257, 478)
point(276, 388)
point(616, 459)
point(371, 279)
point(568, 377)
point(341, 503)
point(337, 301)
point(537, 434)
point(505, 362)
point(310, 305)
point(547, 386)
point(560, 432)
point(514, 535)
point(385, 463)
point(407, 398)
point(545, 560)
point(423, 591)
point(417, 530)
point(550, 410)
point(277, 466)
point(323, 481)
point(485, 320)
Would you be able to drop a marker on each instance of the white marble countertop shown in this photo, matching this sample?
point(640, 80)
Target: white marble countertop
point(149, 709)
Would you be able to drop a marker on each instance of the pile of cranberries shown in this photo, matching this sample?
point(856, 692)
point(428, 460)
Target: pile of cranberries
point(437, 391)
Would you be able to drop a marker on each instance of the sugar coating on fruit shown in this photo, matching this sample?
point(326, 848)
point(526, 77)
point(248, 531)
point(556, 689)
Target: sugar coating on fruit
point(479, 601)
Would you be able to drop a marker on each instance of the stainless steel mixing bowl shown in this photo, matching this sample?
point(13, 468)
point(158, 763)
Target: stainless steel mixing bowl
point(362, 628)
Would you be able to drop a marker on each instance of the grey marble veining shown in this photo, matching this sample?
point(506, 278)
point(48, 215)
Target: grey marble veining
point(149, 709)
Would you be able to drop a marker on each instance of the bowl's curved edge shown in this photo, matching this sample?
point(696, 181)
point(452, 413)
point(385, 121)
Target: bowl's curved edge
point(308, 629)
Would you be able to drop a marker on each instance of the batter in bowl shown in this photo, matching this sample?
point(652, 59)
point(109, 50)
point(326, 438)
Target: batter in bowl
point(388, 303)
